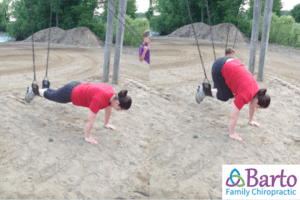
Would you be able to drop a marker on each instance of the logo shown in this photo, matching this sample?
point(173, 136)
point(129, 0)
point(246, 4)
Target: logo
point(260, 182)
point(237, 176)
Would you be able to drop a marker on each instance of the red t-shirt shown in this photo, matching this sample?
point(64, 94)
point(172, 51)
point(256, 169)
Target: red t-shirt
point(240, 81)
point(95, 96)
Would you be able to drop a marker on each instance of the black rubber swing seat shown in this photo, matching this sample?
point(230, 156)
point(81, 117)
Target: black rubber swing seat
point(207, 89)
point(46, 84)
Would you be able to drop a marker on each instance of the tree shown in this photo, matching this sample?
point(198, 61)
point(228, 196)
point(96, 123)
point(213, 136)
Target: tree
point(72, 13)
point(174, 13)
point(4, 14)
point(130, 9)
point(295, 12)
point(277, 6)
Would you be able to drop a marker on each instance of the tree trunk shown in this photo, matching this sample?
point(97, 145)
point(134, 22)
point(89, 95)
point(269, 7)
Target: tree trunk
point(202, 15)
point(92, 15)
point(56, 19)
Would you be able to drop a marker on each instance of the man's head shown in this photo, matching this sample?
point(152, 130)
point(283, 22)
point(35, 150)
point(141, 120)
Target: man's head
point(229, 52)
point(146, 37)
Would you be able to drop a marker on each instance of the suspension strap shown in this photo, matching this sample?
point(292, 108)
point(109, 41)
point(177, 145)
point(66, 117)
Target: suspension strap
point(188, 7)
point(228, 24)
point(122, 22)
point(212, 39)
point(238, 24)
point(126, 21)
point(49, 40)
point(34, 80)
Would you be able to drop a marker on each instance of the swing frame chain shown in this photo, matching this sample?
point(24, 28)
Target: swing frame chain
point(238, 23)
point(46, 76)
point(125, 20)
point(34, 80)
point(228, 28)
point(212, 39)
point(190, 15)
point(122, 22)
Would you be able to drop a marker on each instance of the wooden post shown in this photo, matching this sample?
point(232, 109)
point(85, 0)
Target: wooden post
point(254, 34)
point(265, 39)
point(119, 40)
point(202, 15)
point(108, 38)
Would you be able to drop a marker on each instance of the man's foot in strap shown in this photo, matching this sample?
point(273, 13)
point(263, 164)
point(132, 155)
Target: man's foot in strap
point(200, 94)
point(236, 137)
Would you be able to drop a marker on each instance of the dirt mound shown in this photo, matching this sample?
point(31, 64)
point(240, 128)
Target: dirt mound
point(219, 32)
point(77, 36)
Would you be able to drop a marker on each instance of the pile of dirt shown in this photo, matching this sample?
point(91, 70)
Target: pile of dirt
point(219, 32)
point(77, 36)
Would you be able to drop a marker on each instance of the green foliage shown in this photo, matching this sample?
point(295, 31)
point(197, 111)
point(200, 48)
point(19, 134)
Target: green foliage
point(295, 12)
point(285, 13)
point(140, 24)
point(140, 15)
point(130, 9)
point(71, 14)
point(277, 6)
point(283, 31)
point(4, 14)
point(172, 18)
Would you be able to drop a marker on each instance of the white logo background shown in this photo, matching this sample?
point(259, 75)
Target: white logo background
point(259, 192)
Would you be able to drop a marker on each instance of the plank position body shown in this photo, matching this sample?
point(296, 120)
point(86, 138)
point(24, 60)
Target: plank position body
point(233, 80)
point(95, 96)
point(144, 50)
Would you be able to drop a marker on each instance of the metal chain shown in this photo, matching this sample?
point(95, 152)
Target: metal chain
point(188, 7)
point(212, 39)
point(228, 24)
point(125, 19)
point(49, 39)
point(122, 23)
point(238, 24)
point(34, 80)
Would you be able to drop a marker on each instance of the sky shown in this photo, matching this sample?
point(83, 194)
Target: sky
point(287, 4)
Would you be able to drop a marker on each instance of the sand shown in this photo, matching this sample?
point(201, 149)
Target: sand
point(191, 168)
point(219, 31)
point(32, 167)
point(81, 36)
point(152, 154)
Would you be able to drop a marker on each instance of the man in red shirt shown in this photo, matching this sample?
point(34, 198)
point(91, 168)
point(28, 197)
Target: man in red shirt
point(232, 79)
point(95, 96)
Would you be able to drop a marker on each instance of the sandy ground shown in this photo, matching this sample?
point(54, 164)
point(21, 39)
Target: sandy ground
point(33, 167)
point(187, 167)
point(152, 154)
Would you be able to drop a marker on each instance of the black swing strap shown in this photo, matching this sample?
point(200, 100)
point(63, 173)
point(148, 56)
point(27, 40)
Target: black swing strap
point(122, 22)
point(46, 76)
point(188, 7)
point(228, 28)
point(34, 80)
point(238, 24)
point(212, 39)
